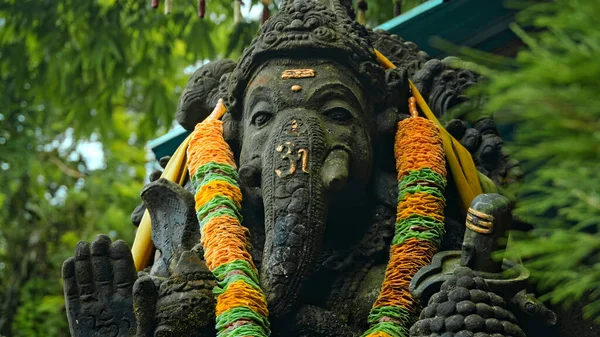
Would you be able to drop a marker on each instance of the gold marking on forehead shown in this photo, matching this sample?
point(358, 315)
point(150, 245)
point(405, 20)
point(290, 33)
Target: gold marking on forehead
point(297, 73)
point(296, 88)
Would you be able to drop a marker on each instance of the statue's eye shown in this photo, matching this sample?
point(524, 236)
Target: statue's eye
point(261, 118)
point(339, 114)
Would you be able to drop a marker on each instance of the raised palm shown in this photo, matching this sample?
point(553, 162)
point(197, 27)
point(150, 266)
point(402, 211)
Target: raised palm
point(98, 283)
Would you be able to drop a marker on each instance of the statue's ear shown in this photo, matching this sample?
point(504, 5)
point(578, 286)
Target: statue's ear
point(201, 93)
point(231, 133)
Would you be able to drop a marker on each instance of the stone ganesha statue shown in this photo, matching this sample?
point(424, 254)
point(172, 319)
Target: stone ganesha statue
point(311, 117)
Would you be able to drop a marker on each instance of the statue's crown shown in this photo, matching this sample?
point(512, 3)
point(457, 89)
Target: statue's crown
point(312, 29)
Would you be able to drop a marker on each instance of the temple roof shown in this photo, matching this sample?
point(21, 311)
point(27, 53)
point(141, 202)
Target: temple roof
point(482, 25)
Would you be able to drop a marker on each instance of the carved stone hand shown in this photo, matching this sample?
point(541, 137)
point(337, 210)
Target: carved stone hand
point(98, 283)
point(175, 298)
point(181, 305)
point(471, 300)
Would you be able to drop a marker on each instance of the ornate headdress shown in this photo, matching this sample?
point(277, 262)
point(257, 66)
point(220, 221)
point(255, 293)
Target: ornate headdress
point(316, 29)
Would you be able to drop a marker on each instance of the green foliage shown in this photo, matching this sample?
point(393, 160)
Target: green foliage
point(550, 94)
point(40, 307)
point(91, 58)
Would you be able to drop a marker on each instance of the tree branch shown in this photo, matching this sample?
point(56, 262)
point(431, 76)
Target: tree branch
point(65, 169)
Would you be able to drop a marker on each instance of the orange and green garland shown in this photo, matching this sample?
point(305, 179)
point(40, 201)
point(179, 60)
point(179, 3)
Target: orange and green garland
point(421, 169)
point(241, 305)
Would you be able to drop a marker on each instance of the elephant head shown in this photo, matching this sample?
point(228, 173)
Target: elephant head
point(306, 152)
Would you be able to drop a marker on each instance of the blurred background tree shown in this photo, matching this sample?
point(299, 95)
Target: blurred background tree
point(83, 86)
point(549, 95)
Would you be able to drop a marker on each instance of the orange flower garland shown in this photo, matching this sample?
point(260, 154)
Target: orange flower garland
point(241, 305)
point(421, 168)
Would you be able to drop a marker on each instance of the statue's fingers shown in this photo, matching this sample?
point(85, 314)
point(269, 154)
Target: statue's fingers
point(155, 175)
point(164, 161)
point(145, 294)
point(123, 268)
point(102, 265)
point(486, 125)
point(456, 128)
point(83, 271)
point(138, 213)
point(70, 287)
point(471, 140)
